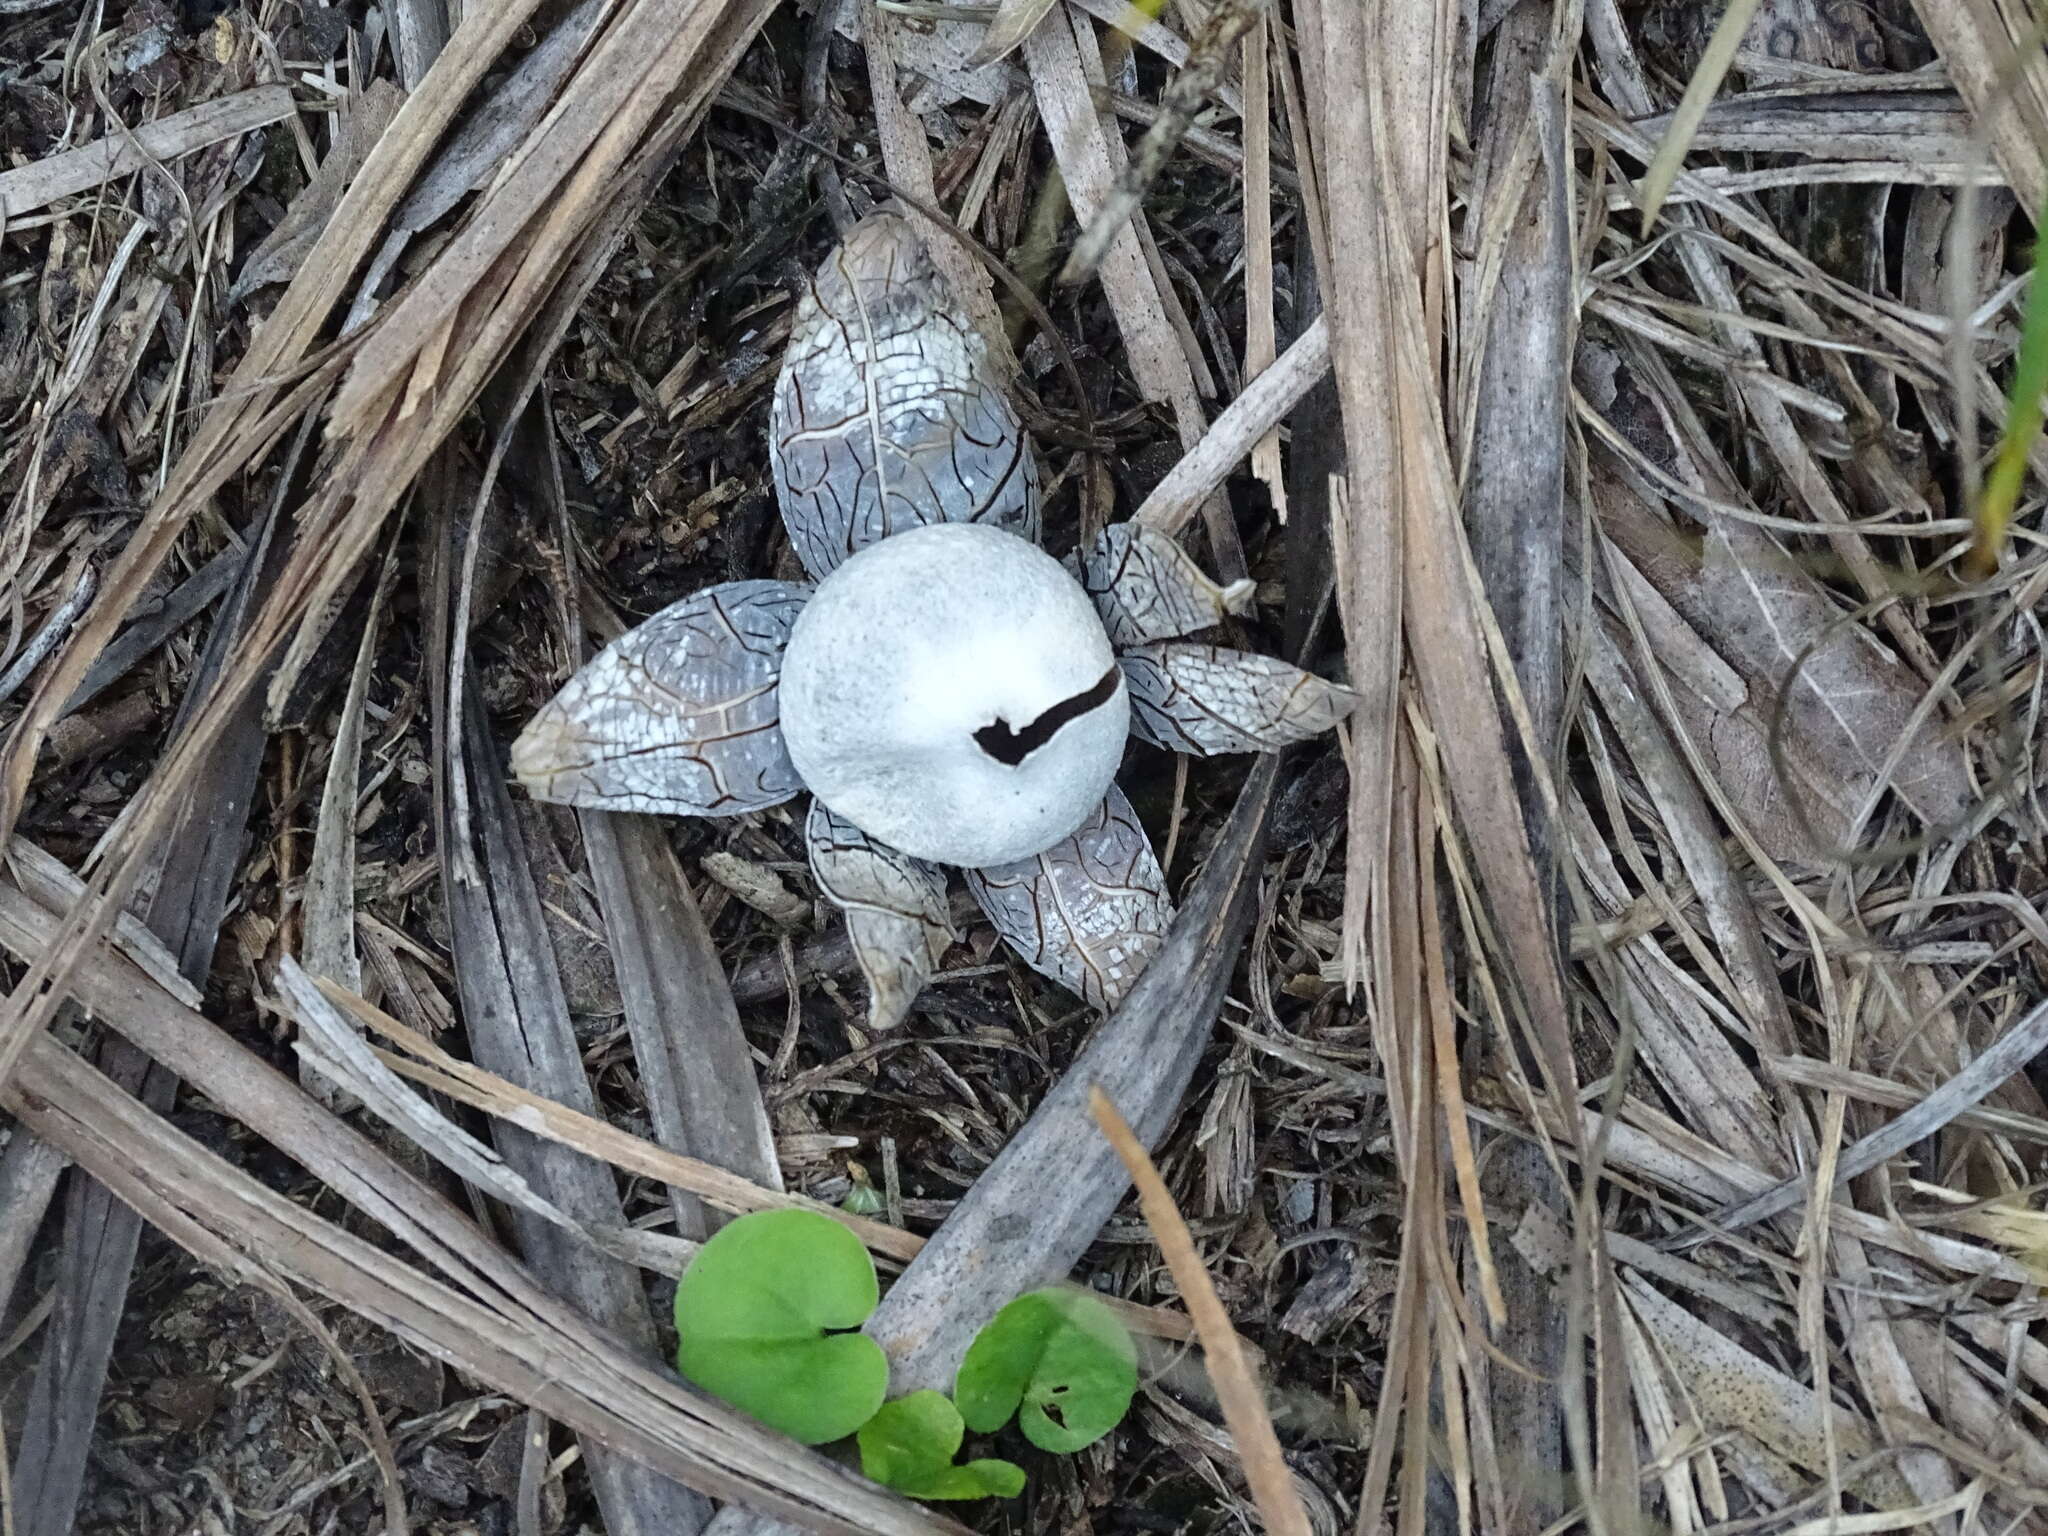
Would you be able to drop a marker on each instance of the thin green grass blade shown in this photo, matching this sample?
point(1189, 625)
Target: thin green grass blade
point(2023, 417)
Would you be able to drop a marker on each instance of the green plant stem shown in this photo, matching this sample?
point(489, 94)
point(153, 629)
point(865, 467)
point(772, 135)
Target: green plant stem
point(2023, 419)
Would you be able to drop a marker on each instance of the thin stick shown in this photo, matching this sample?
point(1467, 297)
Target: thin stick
point(1238, 430)
point(71, 171)
point(54, 629)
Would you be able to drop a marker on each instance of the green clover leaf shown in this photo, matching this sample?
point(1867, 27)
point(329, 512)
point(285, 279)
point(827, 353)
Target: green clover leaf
point(1060, 1360)
point(753, 1312)
point(909, 1445)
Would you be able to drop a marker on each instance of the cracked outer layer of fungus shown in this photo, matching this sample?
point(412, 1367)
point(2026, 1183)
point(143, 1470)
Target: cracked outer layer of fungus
point(885, 415)
point(1149, 588)
point(1088, 912)
point(947, 688)
point(895, 909)
point(1203, 699)
point(678, 717)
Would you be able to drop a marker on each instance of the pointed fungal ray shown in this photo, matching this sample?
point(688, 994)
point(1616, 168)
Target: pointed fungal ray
point(886, 414)
point(1146, 587)
point(1205, 700)
point(677, 717)
point(895, 910)
point(1090, 912)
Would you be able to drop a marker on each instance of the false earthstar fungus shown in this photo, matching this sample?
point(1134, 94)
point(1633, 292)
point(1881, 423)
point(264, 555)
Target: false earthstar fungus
point(948, 692)
point(951, 691)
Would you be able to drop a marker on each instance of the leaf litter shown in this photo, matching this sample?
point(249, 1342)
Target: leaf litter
point(1693, 850)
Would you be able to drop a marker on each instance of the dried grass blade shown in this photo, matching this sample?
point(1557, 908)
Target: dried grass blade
point(1516, 307)
point(329, 899)
point(196, 865)
point(47, 880)
point(1067, 75)
point(512, 111)
point(245, 420)
point(503, 119)
point(1764, 1133)
point(237, 426)
point(1982, 1433)
point(419, 30)
point(1398, 435)
point(371, 473)
point(518, 1024)
point(493, 1323)
point(1237, 1389)
point(1447, 645)
point(491, 1317)
point(1692, 107)
point(695, 1066)
point(465, 1083)
point(331, 1049)
point(1826, 1077)
point(1405, 1046)
point(157, 622)
point(1080, 146)
point(1450, 1091)
point(642, 47)
point(1012, 22)
point(358, 125)
point(67, 1069)
point(1981, 45)
point(50, 633)
point(1735, 1389)
point(1884, 1373)
point(1620, 73)
point(2011, 1052)
point(29, 1171)
point(907, 157)
point(1208, 55)
point(1261, 343)
point(594, 206)
point(1367, 548)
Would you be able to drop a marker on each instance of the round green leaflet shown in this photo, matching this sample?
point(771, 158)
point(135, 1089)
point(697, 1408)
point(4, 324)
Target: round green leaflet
point(909, 1445)
point(752, 1314)
point(1059, 1360)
